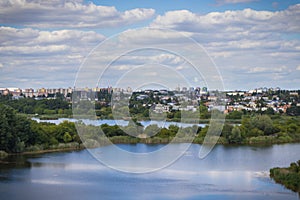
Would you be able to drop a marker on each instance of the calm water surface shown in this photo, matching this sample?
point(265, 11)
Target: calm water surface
point(112, 122)
point(229, 172)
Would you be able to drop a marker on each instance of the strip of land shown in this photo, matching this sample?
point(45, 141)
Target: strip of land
point(288, 176)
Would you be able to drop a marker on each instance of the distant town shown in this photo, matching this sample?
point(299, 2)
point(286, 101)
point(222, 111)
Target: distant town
point(273, 100)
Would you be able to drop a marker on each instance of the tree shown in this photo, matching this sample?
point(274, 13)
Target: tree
point(234, 115)
point(263, 123)
point(269, 111)
point(63, 128)
point(226, 131)
point(204, 114)
point(293, 111)
point(235, 136)
point(67, 137)
point(151, 130)
point(6, 133)
point(15, 132)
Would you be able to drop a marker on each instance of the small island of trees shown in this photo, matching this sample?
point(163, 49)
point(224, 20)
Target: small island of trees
point(289, 176)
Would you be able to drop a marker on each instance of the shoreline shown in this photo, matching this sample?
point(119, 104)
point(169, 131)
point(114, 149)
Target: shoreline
point(49, 151)
point(68, 149)
point(44, 151)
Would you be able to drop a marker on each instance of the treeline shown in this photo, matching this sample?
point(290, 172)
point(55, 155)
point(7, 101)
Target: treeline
point(289, 177)
point(256, 129)
point(33, 106)
point(259, 129)
point(19, 134)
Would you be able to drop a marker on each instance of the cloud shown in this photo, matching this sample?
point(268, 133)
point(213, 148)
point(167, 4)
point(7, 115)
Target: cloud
point(122, 67)
point(150, 35)
point(52, 57)
point(267, 40)
point(279, 69)
point(68, 14)
point(234, 38)
point(258, 69)
point(228, 33)
point(15, 41)
point(298, 68)
point(221, 2)
point(241, 22)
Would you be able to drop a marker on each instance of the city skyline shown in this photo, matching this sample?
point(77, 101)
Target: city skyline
point(129, 89)
point(253, 43)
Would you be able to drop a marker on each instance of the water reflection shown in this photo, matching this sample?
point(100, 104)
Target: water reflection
point(229, 172)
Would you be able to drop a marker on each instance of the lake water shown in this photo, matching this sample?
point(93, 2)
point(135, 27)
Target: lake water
point(228, 172)
point(111, 122)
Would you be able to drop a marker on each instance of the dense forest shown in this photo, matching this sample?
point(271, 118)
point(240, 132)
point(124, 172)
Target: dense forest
point(289, 177)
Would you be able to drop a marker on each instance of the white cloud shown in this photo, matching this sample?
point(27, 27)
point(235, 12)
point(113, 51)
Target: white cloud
point(276, 70)
point(67, 14)
point(258, 69)
point(30, 54)
point(122, 67)
point(29, 41)
point(242, 22)
point(221, 2)
point(152, 36)
point(264, 39)
point(239, 37)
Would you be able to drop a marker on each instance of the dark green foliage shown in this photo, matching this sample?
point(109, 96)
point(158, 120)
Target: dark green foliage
point(32, 106)
point(269, 111)
point(234, 115)
point(235, 137)
point(289, 177)
point(293, 110)
point(261, 129)
point(15, 132)
point(226, 132)
point(111, 131)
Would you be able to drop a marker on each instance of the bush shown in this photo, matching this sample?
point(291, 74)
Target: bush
point(3, 154)
point(34, 148)
point(261, 140)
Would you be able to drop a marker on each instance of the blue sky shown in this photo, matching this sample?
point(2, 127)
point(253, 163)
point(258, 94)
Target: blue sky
point(203, 6)
point(253, 43)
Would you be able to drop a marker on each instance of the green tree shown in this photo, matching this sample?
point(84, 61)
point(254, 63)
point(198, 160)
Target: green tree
point(293, 110)
point(234, 115)
point(204, 114)
point(15, 132)
point(226, 131)
point(235, 136)
point(151, 130)
point(67, 137)
point(269, 111)
point(263, 123)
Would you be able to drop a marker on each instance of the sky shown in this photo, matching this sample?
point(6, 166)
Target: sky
point(229, 44)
